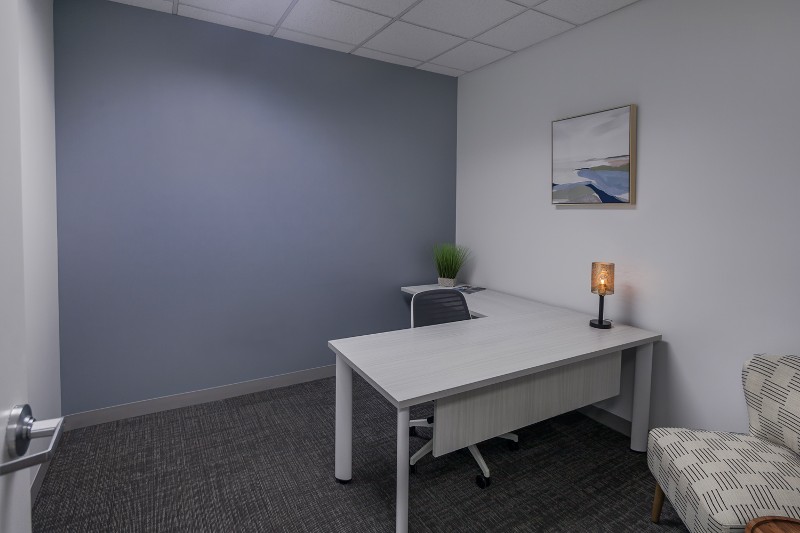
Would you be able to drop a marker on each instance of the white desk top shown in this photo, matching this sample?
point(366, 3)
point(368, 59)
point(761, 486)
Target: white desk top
point(490, 303)
point(518, 337)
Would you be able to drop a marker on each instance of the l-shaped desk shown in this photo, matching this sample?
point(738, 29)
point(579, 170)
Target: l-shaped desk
point(522, 362)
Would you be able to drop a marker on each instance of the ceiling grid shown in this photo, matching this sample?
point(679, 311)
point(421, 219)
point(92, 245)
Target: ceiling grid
point(450, 37)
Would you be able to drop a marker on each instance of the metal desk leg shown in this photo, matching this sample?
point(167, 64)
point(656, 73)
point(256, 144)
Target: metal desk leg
point(402, 470)
point(344, 422)
point(640, 420)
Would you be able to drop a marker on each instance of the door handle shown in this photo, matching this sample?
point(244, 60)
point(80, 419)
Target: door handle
point(21, 428)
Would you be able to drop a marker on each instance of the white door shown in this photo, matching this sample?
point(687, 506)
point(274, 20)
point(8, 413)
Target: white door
point(15, 505)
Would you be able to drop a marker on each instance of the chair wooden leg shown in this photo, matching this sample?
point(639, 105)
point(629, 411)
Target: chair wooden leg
point(658, 503)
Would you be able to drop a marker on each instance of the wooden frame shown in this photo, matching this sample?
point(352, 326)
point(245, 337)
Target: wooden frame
point(594, 158)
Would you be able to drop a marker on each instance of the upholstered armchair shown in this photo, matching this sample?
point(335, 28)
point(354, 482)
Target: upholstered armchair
point(716, 481)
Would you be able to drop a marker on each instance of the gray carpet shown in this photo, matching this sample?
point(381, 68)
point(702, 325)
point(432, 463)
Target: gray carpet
point(264, 462)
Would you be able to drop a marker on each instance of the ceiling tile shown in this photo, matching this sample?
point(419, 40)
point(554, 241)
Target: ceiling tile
point(447, 71)
point(524, 30)
point(391, 8)
point(269, 12)
point(466, 18)
point(225, 20)
point(333, 20)
point(581, 11)
point(159, 5)
point(381, 56)
point(407, 40)
point(470, 55)
point(298, 37)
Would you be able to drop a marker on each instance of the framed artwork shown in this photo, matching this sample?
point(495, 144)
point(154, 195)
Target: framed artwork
point(594, 158)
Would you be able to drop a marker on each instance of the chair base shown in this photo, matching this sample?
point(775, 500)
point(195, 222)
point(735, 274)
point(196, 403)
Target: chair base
point(422, 452)
point(483, 480)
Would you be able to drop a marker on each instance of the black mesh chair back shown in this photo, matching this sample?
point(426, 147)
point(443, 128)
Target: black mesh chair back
point(438, 306)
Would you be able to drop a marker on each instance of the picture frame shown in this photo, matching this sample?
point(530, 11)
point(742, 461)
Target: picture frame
point(594, 158)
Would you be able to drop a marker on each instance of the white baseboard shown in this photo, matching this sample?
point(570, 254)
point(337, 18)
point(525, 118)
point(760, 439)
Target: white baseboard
point(185, 399)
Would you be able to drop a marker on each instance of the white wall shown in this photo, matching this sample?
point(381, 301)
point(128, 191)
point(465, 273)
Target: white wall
point(37, 114)
point(709, 255)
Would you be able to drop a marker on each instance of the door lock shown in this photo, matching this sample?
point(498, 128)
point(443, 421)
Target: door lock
point(21, 429)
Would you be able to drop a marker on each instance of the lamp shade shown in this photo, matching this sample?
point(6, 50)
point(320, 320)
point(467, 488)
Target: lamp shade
point(603, 278)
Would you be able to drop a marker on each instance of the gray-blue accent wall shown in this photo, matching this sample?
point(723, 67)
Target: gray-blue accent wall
point(228, 202)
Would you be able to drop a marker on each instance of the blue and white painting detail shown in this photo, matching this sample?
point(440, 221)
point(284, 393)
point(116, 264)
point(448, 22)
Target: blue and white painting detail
point(591, 158)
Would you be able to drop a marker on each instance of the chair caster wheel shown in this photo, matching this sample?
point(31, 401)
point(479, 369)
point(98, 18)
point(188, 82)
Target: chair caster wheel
point(513, 446)
point(483, 481)
point(412, 469)
point(412, 431)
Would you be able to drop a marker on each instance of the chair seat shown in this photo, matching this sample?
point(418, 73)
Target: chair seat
point(717, 482)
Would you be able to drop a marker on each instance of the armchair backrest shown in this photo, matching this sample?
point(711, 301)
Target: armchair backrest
point(772, 392)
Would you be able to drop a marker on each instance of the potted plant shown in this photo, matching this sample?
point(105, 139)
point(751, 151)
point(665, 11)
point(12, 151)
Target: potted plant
point(449, 259)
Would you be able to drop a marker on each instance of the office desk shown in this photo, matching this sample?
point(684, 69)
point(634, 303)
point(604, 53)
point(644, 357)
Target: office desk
point(516, 340)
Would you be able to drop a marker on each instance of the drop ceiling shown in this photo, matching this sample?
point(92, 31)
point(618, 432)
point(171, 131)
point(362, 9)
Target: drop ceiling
point(450, 37)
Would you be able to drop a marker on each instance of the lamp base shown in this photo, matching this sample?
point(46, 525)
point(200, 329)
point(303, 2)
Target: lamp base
point(605, 324)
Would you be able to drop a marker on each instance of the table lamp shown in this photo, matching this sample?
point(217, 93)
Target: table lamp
point(602, 285)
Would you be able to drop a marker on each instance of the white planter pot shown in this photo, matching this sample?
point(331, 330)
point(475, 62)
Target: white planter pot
point(447, 282)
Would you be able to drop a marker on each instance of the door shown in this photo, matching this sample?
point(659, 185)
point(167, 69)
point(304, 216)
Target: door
point(15, 505)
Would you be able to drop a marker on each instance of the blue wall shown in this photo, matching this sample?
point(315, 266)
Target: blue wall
point(228, 202)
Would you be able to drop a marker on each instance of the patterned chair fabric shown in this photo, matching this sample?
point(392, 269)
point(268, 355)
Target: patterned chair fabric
point(772, 390)
point(717, 481)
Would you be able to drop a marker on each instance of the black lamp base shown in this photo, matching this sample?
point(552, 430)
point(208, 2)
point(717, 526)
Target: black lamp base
point(605, 324)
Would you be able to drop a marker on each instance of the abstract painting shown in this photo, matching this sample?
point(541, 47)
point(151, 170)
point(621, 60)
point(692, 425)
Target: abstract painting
point(594, 158)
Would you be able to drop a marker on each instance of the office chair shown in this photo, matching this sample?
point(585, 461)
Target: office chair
point(440, 306)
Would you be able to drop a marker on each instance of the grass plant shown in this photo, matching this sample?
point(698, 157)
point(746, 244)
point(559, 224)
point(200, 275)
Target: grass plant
point(449, 259)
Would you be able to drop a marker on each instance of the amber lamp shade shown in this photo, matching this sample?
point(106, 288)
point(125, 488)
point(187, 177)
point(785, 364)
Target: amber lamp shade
point(602, 285)
point(603, 278)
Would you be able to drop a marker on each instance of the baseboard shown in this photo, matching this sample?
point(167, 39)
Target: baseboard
point(615, 422)
point(175, 401)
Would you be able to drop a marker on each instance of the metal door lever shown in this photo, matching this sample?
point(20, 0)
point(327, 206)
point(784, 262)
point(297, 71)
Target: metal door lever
point(22, 427)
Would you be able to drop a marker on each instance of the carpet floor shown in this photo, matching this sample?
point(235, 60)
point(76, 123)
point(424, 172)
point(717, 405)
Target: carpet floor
point(264, 462)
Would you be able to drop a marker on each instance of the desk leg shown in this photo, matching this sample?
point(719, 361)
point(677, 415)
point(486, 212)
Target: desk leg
point(402, 471)
point(640, 421)
point(344, 422)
